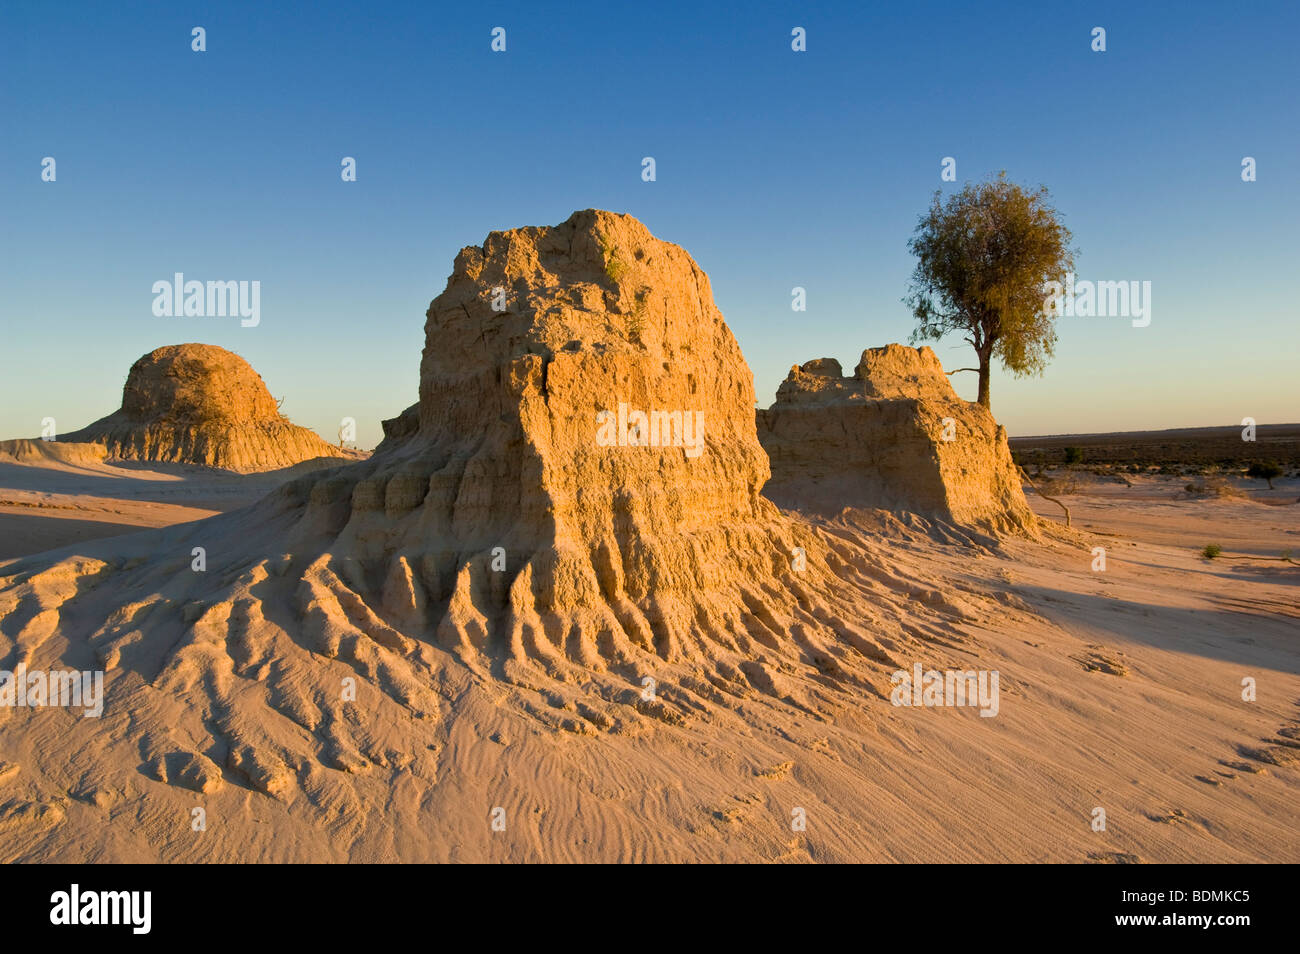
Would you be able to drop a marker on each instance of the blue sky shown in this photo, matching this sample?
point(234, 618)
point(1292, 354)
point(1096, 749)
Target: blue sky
point(774, 169)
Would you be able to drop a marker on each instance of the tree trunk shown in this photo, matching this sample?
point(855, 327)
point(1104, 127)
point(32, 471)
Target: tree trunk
point(984, 382)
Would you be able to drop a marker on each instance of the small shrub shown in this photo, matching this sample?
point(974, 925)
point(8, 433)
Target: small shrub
point(615, 267)
point(1264, 470)
point(636, 323)
point(1057, 486)
point(1073, 455)
point(1214, 487)
point(1211, 551)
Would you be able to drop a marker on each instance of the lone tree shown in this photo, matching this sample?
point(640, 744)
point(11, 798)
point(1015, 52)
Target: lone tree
point(1264, 470)
point(983, 257)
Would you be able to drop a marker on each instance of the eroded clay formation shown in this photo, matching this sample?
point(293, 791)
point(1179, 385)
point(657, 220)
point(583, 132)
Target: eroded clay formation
point(506, 549)
point(200, 404)
point(892, 436)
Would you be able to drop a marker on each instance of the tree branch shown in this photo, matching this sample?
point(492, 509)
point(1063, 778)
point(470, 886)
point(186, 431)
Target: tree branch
point(1043, 495)
point(1244, 556)
point(955, 370)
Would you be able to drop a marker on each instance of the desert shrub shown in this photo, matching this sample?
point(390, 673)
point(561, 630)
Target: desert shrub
point(615, 267)
point(1215, 487)
point(1073, 455)
point(1211, 551)
point(1264, 470)
point(1056, 486)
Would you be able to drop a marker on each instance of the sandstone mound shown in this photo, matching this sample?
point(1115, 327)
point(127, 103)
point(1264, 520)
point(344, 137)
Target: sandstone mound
point(566, 530)
point(579, 482)
point(200, 404)
point(893, 436)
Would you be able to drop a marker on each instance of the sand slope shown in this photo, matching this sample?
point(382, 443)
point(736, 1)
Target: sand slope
point(1162, 741)
point(53, 494)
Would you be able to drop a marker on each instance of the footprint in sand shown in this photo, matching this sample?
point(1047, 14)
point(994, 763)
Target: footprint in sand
point(1114, 858)
point(1172, 817)
point(1279, 751)
point(1095, 661)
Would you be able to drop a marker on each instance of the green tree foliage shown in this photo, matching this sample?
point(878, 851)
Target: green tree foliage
point(983, 257)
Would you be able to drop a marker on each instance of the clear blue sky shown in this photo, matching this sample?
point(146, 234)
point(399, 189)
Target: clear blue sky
point(775, 169)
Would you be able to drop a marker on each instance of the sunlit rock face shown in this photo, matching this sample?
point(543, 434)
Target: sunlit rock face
point(200, 404)
point(892, 436)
